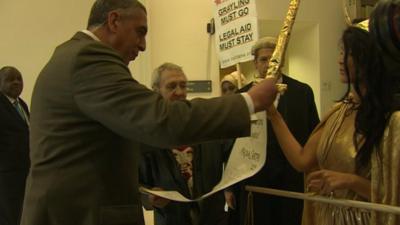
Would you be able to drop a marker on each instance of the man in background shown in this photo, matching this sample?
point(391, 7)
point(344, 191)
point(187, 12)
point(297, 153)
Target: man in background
point(230, 83)
point(191, 170)
point(298, 109)
point(14, 145)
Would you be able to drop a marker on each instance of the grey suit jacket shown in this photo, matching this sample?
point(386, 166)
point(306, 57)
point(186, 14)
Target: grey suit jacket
point(88, 117)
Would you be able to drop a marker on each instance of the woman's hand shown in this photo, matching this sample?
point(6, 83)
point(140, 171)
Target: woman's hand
point(326, 181)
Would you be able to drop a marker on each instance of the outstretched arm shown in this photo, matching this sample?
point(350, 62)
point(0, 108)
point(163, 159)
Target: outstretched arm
point(301, 158)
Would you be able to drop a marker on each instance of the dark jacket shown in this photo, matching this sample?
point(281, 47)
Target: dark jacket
point(14, 160)
point(160, 169)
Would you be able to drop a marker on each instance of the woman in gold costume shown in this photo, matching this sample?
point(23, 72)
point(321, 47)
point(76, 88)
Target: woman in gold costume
point(338, 154)
point(385, 173)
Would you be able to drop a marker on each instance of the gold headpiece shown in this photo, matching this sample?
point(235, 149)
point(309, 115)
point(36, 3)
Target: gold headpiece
point(363, 25)
point(235, 78)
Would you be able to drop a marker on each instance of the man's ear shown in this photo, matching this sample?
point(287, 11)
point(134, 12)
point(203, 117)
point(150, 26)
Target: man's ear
point(113, 20)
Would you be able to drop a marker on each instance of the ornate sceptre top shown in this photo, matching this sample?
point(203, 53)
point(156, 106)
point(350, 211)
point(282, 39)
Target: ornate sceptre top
point(282, 43)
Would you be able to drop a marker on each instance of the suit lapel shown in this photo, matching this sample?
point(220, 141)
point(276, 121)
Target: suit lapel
point(11, 109)
point(24, 107)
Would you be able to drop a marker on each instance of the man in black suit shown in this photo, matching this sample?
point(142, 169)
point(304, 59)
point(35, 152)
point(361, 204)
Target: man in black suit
point(191, 170)
point(14, 145)
point(298, 108)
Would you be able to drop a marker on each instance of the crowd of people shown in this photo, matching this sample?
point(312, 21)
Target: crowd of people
point(94, 134)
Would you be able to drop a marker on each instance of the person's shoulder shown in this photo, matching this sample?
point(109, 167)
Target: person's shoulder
point(77, 41)
point(98, 49)
point(2, 96)
point(395, 119)
point(291, 82)
point(80, 49)
point(91, 52)
point(21, 101)
point(84, 45)
point(3, 100)
point(392, 130)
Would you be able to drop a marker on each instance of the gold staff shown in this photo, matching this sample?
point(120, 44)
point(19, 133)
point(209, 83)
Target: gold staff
point(276, 60)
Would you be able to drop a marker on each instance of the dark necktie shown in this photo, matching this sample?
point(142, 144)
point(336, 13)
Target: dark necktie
point(19, 110)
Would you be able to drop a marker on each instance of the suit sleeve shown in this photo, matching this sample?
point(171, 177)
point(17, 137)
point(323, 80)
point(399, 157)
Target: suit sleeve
point(145, 170)
point(105, 91)
point(146, 178)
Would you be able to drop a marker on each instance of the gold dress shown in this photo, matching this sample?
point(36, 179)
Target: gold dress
point(385, 173)
point(336, 152)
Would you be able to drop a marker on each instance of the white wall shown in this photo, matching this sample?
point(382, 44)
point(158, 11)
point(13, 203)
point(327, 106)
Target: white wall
point(313, 49)
point(304, 58)
point(331, 24)
point(178, 35)
point(32, 29)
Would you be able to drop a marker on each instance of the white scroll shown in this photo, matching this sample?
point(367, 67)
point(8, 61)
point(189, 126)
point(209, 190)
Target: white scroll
point(246, 159)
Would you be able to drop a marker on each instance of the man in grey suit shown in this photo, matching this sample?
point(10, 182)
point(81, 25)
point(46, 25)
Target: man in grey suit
point(88, 116)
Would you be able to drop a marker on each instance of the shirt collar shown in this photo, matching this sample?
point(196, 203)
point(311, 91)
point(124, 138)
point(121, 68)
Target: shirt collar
point(12, 100)
point(90, 34)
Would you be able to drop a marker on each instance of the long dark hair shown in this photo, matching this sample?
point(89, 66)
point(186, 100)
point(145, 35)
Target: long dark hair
point(374, 86)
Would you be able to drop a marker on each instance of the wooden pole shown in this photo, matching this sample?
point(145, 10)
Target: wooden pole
point(240, 75)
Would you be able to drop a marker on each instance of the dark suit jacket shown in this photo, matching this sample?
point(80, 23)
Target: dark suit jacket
point(88, 116)
point(14, 160)
point(160, 169)
point(298, 109)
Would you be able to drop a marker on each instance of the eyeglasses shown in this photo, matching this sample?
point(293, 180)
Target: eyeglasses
point(174, 86)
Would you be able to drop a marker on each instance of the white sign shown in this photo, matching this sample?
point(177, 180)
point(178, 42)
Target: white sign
point(246, 159)
point(236, 30)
